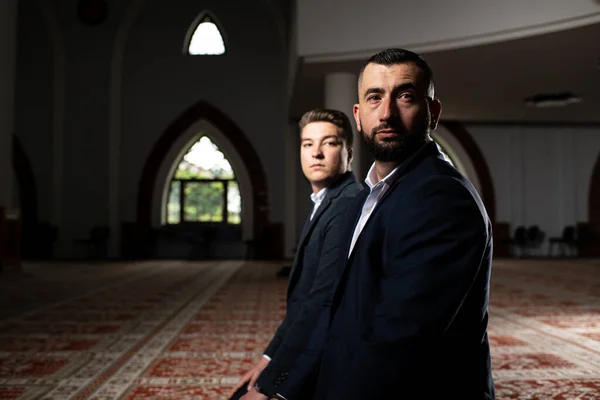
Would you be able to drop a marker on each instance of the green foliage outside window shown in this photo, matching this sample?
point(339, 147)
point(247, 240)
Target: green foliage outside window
point(204, 183)
point(203, 202)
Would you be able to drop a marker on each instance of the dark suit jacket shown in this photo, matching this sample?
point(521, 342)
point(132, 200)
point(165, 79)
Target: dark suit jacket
point(410, 310)
point(314, 270)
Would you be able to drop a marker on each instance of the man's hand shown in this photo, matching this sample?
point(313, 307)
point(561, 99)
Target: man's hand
point(253, 395)
point(250, 377)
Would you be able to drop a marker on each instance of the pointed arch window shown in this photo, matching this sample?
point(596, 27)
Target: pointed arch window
point(205, 37)
point(204, 188)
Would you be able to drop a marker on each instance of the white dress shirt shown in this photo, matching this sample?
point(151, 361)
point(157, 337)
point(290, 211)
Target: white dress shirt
point(317, 199)
point(377, 191)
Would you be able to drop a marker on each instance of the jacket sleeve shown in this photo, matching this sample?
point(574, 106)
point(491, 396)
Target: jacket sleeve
point(299, 353)
point(433, 251)
point(277, 338)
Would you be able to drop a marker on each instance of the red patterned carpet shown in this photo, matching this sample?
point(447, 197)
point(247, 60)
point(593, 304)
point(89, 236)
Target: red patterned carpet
point(180, 330)
point(545, 329)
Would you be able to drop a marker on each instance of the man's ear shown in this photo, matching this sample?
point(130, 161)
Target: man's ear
point(355, 110)
point(435, 109)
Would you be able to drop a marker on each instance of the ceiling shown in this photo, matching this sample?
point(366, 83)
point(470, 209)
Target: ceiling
point(489, 83)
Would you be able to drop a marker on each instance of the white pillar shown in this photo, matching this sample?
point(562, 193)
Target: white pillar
point(8, 41)
point(292, 164)
point(341, 94)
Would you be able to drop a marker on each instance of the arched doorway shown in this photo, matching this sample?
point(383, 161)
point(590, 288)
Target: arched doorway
point(204, 187)
point(459, 143)
point(457, 155)
point(204, 119)
point(200, 129)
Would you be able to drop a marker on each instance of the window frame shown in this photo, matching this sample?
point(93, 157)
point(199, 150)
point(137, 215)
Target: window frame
point(182, 182)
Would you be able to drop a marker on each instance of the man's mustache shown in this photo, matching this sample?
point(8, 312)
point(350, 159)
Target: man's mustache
point(397, 127)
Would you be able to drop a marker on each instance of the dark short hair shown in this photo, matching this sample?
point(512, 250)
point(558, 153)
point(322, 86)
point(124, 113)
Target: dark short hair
point(390, 57)
point(335, 117)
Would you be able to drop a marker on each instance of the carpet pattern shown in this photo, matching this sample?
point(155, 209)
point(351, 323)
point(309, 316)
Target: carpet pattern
point(545, 329)
point(182, 330)
point(95, 345)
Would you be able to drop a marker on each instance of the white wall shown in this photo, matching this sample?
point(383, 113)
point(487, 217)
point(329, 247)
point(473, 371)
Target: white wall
point(541, 174)
point(341, 29)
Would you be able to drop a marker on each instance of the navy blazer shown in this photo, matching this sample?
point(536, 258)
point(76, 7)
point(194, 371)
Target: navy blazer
point(409, 313)
point(314, 270)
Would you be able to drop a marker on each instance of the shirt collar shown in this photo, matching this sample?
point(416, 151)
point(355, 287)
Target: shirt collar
point(319, 196)
point(372, 177)
point(392, 176)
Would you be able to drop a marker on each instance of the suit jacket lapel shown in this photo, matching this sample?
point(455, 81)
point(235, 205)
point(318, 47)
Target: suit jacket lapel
point(304, 232)
point(379, 202)
point(427, 150)
point(332, 193)
point(297, 256)
point(356, 211)
point(308, 227)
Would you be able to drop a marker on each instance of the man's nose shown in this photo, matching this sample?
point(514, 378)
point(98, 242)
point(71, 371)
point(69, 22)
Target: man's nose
point(317, 152)
point(389, 109)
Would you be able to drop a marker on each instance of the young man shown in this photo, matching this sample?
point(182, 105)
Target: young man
point(286, 371)
point(409, 313)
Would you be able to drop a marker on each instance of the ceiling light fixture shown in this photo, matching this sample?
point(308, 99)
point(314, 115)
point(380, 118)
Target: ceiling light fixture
point(552, 100)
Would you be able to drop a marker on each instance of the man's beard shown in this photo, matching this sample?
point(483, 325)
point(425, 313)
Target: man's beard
point(395, 149)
